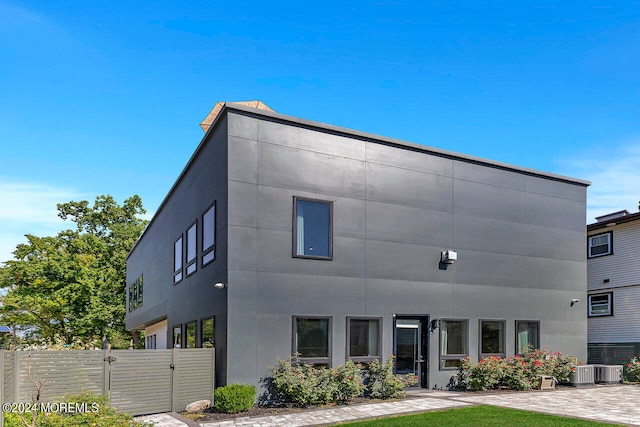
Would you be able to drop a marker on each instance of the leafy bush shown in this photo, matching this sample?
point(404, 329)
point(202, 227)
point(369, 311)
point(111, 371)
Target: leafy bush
point(348, 379)
point(234, 398)
point(631, 370)
point(98, 414)
point(520, 372)
point(382, 383)
point(302, 384)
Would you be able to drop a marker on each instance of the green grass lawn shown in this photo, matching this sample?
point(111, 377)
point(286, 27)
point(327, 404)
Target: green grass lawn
point(490, 416)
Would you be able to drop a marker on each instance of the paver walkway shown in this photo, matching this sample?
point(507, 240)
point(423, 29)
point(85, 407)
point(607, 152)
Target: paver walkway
point(613, 404)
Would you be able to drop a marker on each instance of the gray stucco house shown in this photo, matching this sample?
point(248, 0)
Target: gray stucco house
point(285, 235)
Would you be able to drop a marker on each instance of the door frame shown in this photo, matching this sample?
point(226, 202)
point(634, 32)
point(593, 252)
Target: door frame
point(423, 381)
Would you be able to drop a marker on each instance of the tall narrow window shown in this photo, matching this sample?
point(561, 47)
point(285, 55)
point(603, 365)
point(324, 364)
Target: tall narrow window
point(600, 245)
point(364, 339)
point(139, 291)
point(190, 335)
point(191, 249)
point(312, 229)
point(130, 298)
point(492, 338)
point(209, 235)
point(135, 295)
point(311, 340)
point(177, 260)
point(453, 343)
point(207, 332)
point(177, 336)
point(527, 335)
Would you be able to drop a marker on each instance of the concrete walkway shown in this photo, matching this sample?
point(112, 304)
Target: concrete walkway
point(612, 404)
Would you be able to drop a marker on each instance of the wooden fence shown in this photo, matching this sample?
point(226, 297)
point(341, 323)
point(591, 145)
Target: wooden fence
point(136, 381)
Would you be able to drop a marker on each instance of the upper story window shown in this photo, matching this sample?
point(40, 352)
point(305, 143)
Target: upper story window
point(209, 235)
point(191, 249)
point(135, 294)
point(601, 304)
point(177, 260)
point(601, 244)
point(312, 228)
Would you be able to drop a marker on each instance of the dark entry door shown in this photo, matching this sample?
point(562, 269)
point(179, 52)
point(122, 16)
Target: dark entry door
point(410, 346)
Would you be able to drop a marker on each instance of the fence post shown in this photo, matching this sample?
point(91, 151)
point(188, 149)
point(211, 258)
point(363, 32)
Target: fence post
point(16, 373)
point(173, 367)
point(213, 374)
point(1, 386)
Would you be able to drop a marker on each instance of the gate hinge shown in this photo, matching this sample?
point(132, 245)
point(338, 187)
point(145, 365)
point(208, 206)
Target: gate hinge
point(110, 359)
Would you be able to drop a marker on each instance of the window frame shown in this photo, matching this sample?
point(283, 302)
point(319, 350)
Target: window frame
point(205, 257)
point(201, 336)
point(517, 350)
point(324, 360)
point(609, 234)
point(455, 357)
point(173, 336)
point(599, 294)
point(503, 354)
point(140, 296)
point(191, 265)
point(294, 248)
point(368, 358)
point(193, 323)
point(178, 275)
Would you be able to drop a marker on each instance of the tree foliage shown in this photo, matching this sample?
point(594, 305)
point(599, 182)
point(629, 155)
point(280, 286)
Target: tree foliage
point(72, 286)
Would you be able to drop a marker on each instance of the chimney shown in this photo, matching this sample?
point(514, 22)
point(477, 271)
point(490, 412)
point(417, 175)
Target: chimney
point(213, 114)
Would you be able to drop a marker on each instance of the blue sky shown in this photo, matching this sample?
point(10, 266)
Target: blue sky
point(105, 97)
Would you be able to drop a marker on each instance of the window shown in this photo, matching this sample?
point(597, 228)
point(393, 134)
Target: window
point(453, 343)
point(207, 333)
point(130, 298)
point(135, 294)
point(191, 249)
point(527, 335)
point(492, 338)
point(601, 244)
point(177, 336)
point(139, 291)
point(601, 305)
point(190, 335)
point(312, 229)
point(363, 336)
point(150, 342)
point(177, 260)
point(209, 235)
point(311, 340)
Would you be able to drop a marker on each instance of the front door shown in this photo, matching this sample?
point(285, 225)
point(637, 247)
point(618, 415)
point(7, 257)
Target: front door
point(410, 340)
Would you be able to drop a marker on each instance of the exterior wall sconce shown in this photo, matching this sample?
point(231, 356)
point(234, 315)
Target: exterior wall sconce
point(433, 325)
point(574, 301)
point(448, 257)
point(220, 285)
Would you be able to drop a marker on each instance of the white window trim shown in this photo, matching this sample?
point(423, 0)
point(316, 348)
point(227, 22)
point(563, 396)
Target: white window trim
point(609, 251)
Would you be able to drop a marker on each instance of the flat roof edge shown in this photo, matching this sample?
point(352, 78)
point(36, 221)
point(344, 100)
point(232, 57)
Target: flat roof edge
point(401, 143)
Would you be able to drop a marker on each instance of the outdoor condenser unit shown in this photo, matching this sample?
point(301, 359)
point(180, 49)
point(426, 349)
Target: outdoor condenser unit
point(582, 376)
point(608, 374)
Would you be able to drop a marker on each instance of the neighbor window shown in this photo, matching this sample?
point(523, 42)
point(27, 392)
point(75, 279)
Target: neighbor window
point(453, 343)
point(130, 298)
point(364, 339)
point(177, 336)
point(191, 249)
point(139, 291)
point(492, 338)
point(312, 228)
point(600, 245)
point(311, 340)
point(601, 305)
point(177, 260)
point(150, 342)
point(208, 235)
point(527, 335)
point(207, 333)
point(190, 335)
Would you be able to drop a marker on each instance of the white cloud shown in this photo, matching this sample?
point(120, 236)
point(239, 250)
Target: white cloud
point(615, 176)
point(29, 208)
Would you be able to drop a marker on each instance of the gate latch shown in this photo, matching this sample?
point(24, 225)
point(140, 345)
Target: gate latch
point(172, 366)
point(110, 359)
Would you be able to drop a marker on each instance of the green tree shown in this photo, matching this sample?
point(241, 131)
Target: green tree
point(72, 286)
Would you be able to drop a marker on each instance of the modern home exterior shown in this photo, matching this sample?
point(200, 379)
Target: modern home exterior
point(284, 235)
point(613, 285)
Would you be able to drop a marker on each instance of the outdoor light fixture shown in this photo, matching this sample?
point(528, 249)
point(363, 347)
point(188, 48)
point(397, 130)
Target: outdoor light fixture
point(447, 257)
point(220, 285)
point(574, 301)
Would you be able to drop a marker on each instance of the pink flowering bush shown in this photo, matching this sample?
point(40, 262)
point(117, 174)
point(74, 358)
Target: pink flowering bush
point(631, 370)
point(521, 372)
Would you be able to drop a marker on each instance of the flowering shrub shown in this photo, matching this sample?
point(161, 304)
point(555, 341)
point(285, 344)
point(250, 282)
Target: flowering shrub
point(520, 372)
point(631, 370)
point(303, 384)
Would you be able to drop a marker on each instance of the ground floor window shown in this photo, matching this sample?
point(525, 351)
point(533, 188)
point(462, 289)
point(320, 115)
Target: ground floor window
point(454, 338)
point(190, 335)
point(206, 333)
point(492, 338)
point(363, 336)
point(311, 339)
point(527, 335)
point(177, 336)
